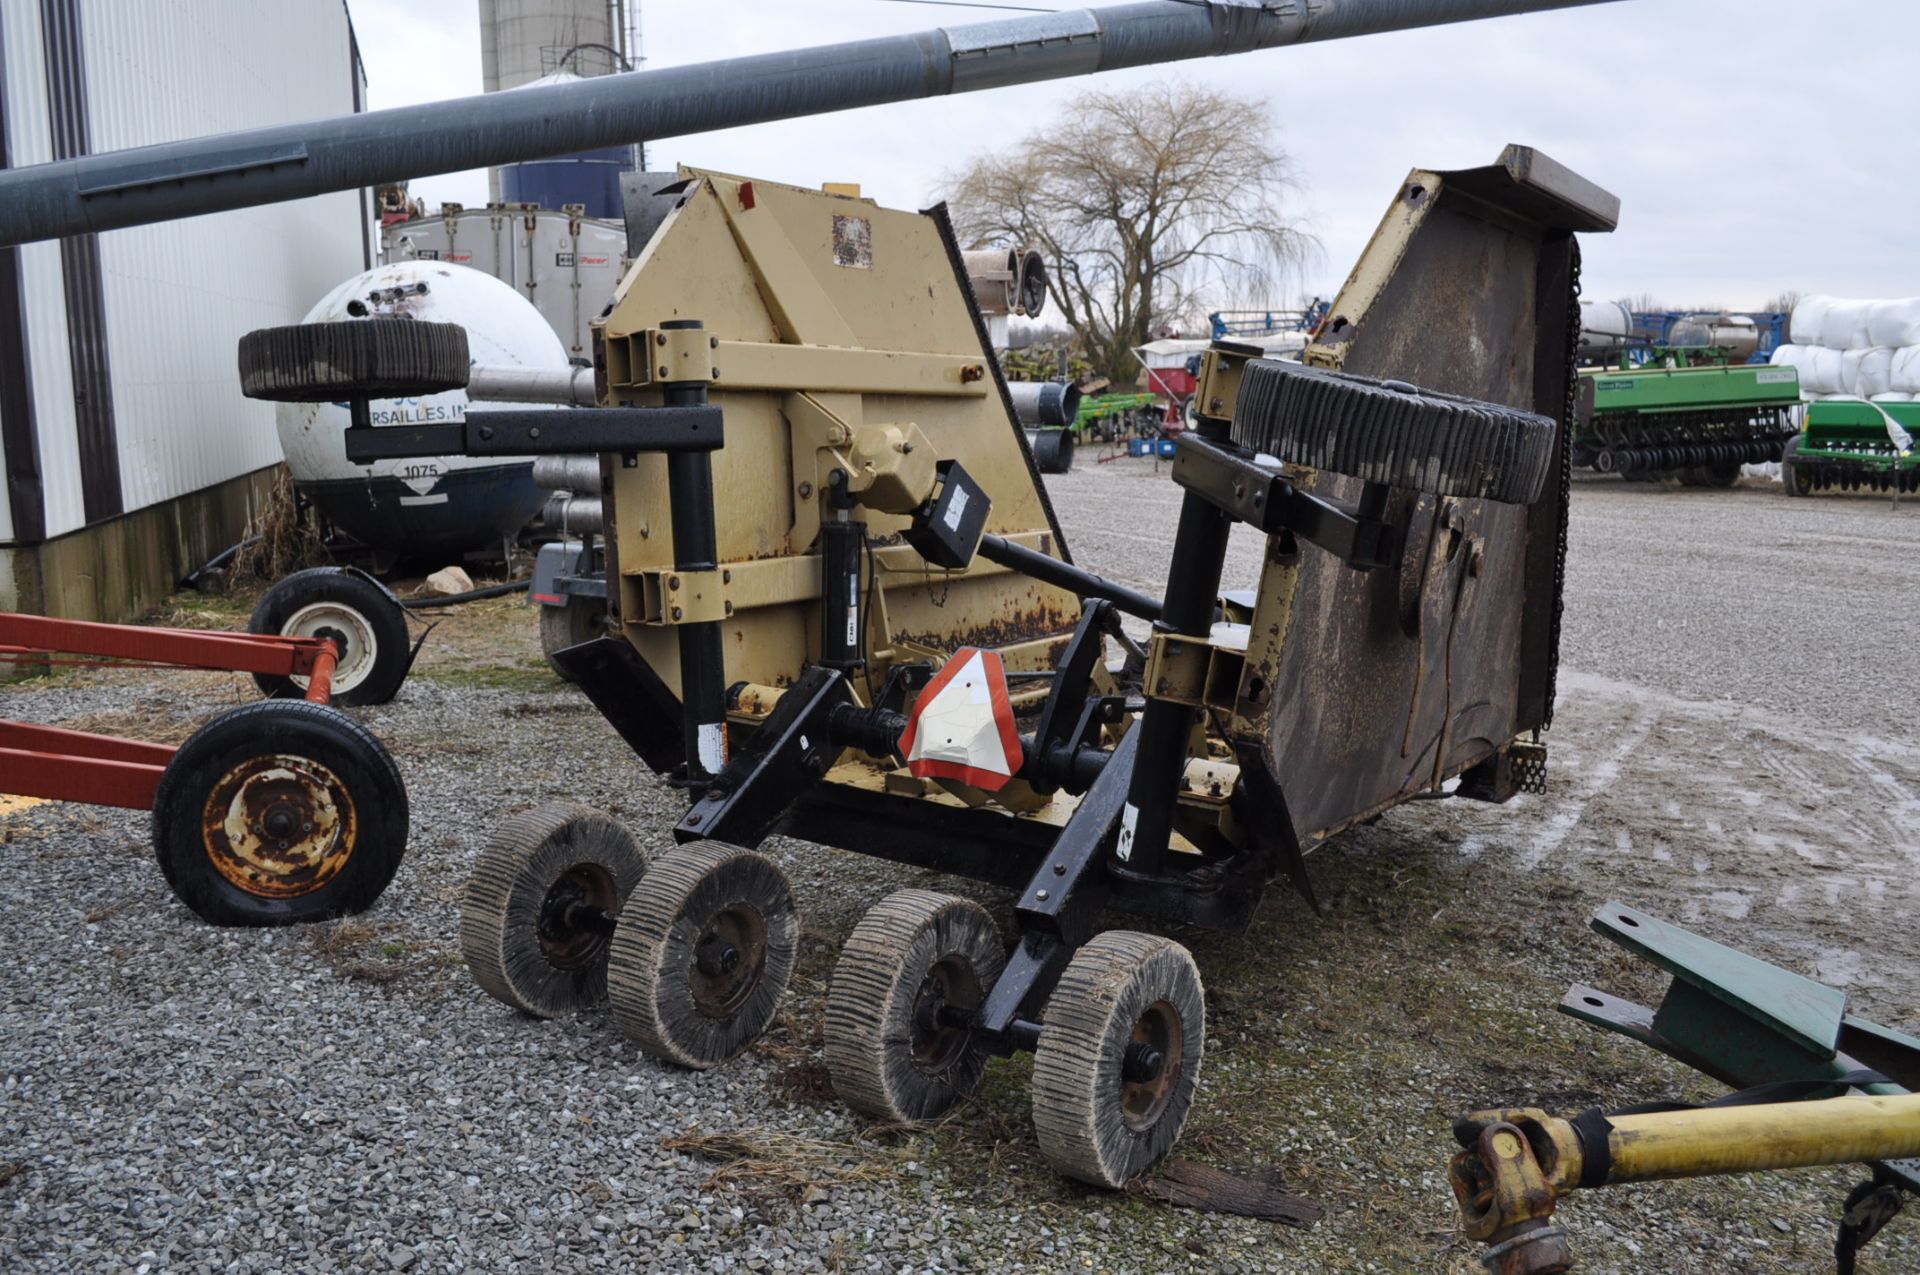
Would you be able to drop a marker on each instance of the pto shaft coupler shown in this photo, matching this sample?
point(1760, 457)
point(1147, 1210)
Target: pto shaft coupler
point(1518, 1163)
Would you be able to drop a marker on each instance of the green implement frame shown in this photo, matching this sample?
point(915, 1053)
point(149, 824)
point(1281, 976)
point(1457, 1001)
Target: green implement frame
point(1856, 445)
point(1695, 421)
point(1111, 416)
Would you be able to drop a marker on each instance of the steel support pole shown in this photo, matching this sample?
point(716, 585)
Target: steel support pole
point(1193, 593)
point(696, 547)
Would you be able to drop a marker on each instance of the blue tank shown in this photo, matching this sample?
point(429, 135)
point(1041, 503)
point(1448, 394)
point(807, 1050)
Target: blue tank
point(591, 178)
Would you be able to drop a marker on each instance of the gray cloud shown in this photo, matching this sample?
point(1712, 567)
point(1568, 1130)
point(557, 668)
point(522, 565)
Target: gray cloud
point(1756, 145)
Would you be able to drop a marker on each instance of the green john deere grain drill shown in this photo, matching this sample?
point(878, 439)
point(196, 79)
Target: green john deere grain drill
point(1855, 445)
point(1692, 416)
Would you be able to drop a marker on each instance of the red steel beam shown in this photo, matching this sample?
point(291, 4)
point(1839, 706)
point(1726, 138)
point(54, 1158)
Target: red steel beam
point(71, 765)
point(267, 653)
point(58, 742)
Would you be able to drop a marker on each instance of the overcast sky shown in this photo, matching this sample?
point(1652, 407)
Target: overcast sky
point(1756, 145)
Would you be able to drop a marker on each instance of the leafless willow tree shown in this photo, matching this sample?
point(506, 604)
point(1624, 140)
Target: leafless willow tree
point(1143, 201)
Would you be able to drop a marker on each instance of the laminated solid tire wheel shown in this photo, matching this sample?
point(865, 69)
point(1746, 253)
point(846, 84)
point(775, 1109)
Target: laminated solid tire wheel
point(1393, 433)
point(534, 922)
point(578, 620)
point(364, 621)
point(912, 955)
point(353, 358)
point(1795, 478)
point(1119, 1057)
point(279, 813)
point(703, 952)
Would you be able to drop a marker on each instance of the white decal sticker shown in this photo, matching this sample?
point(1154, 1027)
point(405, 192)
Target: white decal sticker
point(713, 747)
point(1129, 816)
point(1779, 376)
point(852, 242)
point(956, 509)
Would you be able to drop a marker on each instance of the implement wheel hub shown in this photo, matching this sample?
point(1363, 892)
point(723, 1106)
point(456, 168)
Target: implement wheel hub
point(568, 937)
point(728, 958)
point(279, 826)
point(940, 1038)
point(1150, 1065)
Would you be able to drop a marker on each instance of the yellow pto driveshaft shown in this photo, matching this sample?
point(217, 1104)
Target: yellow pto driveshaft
point(1519, 1162)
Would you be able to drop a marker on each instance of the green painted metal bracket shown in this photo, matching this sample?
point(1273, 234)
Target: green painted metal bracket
point(1742, 1021)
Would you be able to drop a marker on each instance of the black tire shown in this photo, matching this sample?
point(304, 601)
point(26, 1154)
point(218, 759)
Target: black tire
point(912, 953)
point(1095, 1120)
point(1053, 450)
point(353, 358)
point(280, 767)
point(521, 941)
point(671, 984)
point(1797, 479)
point(577, 620)
point(361, 617)
point(1393, 433)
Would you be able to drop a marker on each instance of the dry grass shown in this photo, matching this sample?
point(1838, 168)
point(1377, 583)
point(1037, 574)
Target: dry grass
point(345, 944)
point(767, 1159)
point(278, 541)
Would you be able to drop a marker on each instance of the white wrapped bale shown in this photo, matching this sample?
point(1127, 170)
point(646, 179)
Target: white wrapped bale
point(1821, 371)
point(1808, 319)
point(1892, 397)
point(1904, 373)
point(1845, 327)
point(1894, 323)
point(1874, 374)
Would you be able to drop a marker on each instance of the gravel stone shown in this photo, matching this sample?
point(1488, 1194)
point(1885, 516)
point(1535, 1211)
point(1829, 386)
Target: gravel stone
point(179, 1098)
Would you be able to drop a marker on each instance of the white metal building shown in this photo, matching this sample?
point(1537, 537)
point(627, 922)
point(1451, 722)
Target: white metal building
point(129, 454)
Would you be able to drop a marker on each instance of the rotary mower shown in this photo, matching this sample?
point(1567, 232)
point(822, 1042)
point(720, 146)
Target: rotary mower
point(840, 609)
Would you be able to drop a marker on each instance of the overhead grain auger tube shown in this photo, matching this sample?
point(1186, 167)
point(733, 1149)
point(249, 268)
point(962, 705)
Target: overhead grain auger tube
point(292, 161)
point(1518, 1163)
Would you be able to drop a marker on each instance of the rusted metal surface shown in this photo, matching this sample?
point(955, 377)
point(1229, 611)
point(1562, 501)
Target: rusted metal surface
point(279, 826)
point(1448, 652)
point(836, 320)
point(1505, 1201)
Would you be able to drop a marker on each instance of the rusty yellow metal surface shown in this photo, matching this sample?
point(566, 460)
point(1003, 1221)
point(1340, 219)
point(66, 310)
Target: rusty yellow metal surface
point(838, 331)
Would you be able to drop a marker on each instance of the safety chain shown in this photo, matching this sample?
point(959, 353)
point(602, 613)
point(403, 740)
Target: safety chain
point(1566, 468)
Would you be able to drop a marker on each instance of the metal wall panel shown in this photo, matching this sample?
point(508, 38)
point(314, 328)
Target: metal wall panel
point(44, 309)
point(179, 295)
point(67, 96)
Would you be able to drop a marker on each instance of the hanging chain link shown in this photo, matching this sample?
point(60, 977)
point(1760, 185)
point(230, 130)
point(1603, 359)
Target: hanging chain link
point(1566, 469)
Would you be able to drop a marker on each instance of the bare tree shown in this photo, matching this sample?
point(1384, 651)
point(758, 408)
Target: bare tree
point(1143, 200)
point(1782, 302)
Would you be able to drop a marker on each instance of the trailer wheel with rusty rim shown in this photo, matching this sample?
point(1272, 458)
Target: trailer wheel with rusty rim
point(1119, 1057)
point(364, 621)
point(914, 967)
point(703, 952)
point(537, 918)
point(278, 813)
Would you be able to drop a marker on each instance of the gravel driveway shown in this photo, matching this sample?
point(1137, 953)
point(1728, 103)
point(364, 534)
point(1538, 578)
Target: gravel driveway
point(174, 1097)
